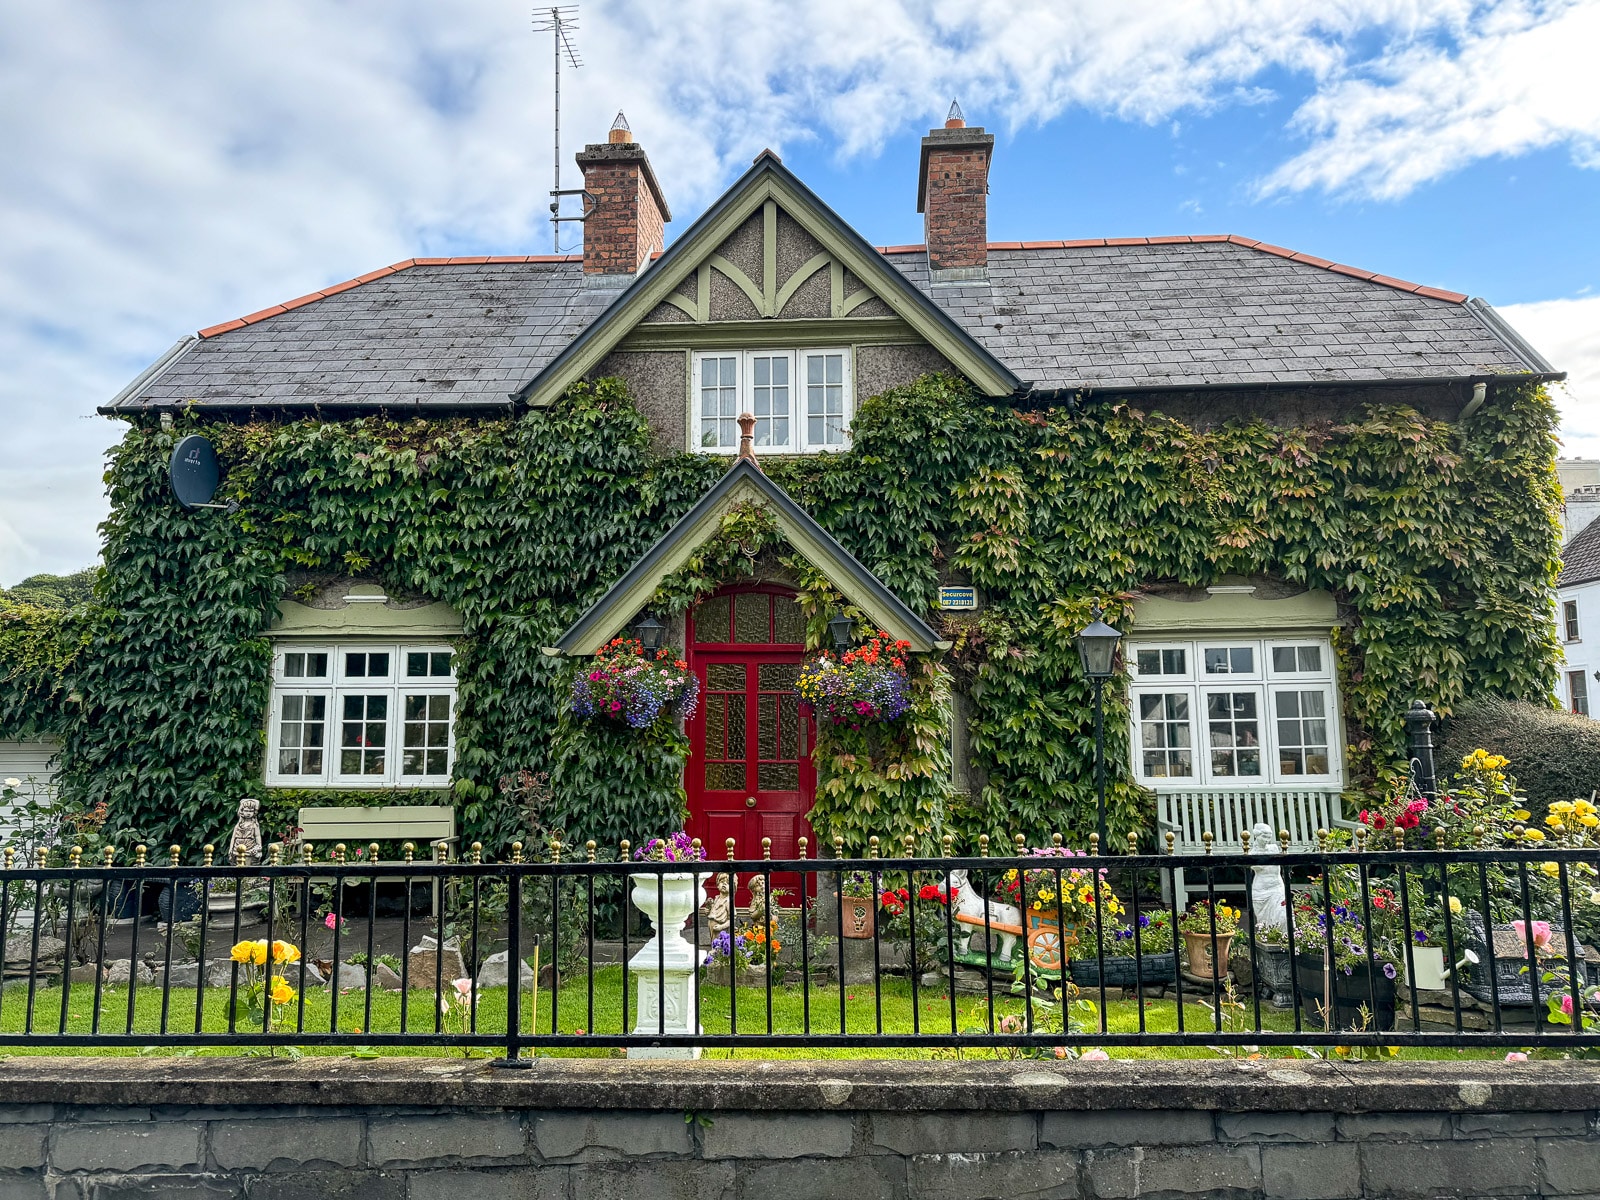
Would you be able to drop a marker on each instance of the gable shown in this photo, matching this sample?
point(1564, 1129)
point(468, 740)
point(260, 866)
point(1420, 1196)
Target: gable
point(744, 483)
point(770, 261)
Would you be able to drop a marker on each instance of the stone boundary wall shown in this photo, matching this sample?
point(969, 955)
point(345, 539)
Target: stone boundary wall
point(572, 1129)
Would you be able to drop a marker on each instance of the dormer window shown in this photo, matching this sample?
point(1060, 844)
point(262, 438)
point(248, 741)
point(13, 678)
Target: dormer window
point(802, 400)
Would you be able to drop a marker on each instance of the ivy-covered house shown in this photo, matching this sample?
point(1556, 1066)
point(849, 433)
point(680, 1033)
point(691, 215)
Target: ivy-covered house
point(1306, 493)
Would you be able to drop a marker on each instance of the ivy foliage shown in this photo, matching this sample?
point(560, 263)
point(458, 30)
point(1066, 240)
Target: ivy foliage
point(1438, 541)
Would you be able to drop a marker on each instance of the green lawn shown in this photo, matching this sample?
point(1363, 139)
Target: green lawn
point(932, 1015)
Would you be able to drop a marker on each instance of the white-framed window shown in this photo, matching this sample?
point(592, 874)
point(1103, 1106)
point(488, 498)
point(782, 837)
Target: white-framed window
point(1578, 693)
point(1232, 712)
point(1569, 621)
point(362, 714)
point(802, 400)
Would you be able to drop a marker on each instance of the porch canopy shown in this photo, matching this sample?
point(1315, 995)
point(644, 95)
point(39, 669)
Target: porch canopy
point(744, 483)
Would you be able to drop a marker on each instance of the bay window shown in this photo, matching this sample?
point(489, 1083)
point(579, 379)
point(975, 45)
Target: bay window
point(362, 715)
point(1231, 712)
point(801, 400)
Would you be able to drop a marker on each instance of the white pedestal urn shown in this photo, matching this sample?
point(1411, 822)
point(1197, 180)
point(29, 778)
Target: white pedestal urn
point(665, 966)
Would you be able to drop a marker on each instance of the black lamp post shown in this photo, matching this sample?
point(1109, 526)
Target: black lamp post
point(650, 632)
point(1097, 650)
point(841, 628)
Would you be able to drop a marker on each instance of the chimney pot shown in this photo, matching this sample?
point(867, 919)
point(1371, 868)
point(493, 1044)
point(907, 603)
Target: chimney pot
point(955, 118)
point(627, 214)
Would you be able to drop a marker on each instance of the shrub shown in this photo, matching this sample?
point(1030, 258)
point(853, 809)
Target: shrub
point(1554, 755)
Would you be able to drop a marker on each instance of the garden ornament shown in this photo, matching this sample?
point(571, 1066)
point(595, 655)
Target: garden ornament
point(1268, 901)
point(246, 836)
point(1005, 920)
point(757, 886)
point(719, 913)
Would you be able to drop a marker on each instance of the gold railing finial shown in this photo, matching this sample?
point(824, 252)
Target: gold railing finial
point(1207, 839)
point(75, 857)
point(1283, 840)
point(803, 844)
point(139, 852)
point(983, 845)
point(516, 852)
point(1133, 843)
point(274, 854)
point(766, 847)
point(1244, 841)
point(477, 852)
point(106, 856)
point(555, 849)
point(1172, 840)
point(308, 853)
point(872, 846)
point(241, 856)
point(1094, 843)
point(175, 854)
point(590, 848)
point(838, 846)
point(210, 852)
point(410, 851)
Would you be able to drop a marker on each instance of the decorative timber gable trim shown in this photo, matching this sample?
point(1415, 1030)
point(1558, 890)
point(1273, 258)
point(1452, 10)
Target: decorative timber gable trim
point(765, 189)
point(745, 482)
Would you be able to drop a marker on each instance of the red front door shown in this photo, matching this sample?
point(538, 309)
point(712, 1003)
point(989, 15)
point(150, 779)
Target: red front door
point(750, 774)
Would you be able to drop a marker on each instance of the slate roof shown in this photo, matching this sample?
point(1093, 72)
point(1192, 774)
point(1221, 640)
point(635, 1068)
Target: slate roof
point(1117, 314)
point(1580, 558)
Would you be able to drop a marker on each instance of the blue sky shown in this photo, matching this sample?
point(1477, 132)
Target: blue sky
point(172, 166)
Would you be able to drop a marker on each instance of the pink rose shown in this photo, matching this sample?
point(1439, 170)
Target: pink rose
point(1542, 937)
point(1096, 1056)
point(1566, 1004)
point(329, 921)
point(1516, 1056)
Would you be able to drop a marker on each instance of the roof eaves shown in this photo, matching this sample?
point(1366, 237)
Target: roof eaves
point(1497, 325)
point(150, 374)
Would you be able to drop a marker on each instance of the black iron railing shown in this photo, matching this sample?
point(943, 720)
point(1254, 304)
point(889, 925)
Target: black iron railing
point(1457, 949)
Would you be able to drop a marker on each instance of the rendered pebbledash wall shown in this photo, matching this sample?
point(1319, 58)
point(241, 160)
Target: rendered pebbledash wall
point(410, 1129)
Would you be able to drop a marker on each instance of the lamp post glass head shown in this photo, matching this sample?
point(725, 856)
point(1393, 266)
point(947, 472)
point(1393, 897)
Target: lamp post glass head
point(1097, 646)
point(650, 632)
point(841, 628)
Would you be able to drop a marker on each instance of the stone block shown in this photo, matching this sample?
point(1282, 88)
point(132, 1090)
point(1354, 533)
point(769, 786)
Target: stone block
point(1393, 1127)
point(184, 975)
point(1311, 1171)
point(329, 1185)
point(142, 1146)
point(1570, 1166)
point(503, 1183)
point(456, 1137)
point(156, 1187)
point(599, 1136)
point(1522, 1124)
point(777, 1135)
point(1124, 1127)
point(285, 1145)
point(423, 961)
point(881, 1176)
point(688, 1179)
point(22, 1147)
point(118, 970)
point(32, 1187)
point(1220, 1171)
point(1042, 1173)
point(1471, 1167)
point(1275, 1127)
point(955, 1133)
point(26, 1114)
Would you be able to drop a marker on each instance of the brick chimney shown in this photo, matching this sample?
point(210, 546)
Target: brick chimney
point(953, 195)
point(627, 214)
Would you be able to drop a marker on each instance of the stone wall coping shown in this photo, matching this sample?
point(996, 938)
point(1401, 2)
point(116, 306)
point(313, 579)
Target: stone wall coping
point(1279, 1085)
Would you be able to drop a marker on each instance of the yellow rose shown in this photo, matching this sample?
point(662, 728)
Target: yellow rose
point(285, 952)
point(1554, 819)
point(1550, 868)
point(1594, 895)
point(1455, 906)
point(282, 993)
point(1582, 807)
point(258, 953)
point(1521, 814)
point(242, 951)
point(1589, 819)
point(1533, 835)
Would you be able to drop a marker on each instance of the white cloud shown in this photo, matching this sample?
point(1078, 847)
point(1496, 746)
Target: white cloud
point(172, 165)
point(1519, 79)
point(1567, 332)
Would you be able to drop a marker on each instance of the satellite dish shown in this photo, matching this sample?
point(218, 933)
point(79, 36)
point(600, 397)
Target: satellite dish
point(194, 474)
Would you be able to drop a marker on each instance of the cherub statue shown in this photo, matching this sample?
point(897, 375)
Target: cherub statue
point(1268, 901)
point(758, 897)
point(719, 910)
point(246, 835)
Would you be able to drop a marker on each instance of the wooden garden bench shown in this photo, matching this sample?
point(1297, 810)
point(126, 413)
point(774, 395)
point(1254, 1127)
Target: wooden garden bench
point(423, 825)
point(1228, 813)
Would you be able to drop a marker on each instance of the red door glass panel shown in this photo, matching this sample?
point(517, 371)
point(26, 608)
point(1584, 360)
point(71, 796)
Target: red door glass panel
point(750, 774)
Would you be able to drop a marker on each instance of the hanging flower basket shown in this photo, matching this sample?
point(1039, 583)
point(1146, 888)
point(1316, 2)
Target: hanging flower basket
point(634, 689)
point(864, 686)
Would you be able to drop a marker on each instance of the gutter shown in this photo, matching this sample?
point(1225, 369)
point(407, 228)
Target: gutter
point(148, 376)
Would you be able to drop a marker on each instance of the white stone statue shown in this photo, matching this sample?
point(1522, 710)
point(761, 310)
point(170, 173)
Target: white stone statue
point(1004, 920)
point(719, 912)
point(246, 835)
point(1268, 899)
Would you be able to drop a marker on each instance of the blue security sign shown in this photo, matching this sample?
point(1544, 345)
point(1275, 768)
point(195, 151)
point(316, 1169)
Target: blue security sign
point(958, 599)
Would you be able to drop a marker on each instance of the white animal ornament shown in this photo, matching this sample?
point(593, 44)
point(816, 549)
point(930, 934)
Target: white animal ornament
point(1003, 919)
point(1268, 901)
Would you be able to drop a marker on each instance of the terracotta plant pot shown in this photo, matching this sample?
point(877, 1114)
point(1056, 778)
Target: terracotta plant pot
point(1206, 956)
point(860, 916)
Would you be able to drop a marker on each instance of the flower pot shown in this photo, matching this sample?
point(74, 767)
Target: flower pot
point(860, 916)
point(668, 899)
point(1206, 956)
point(1125, 971)
point(1427, 964)
point(1048, 942)
point(1275, 975)
point(1348, 994)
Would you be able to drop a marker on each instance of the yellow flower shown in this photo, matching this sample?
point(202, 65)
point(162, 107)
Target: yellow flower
point(244, 952)
point(1582, 807)
point(1594, 895)
point(1455, 905)
point(285, 952)
point(1589, 819)
point(1533, 835)
point(1550, 868)
point(282, 993)
point(1561, 806)
point(1554, 820)
point(1521, 814)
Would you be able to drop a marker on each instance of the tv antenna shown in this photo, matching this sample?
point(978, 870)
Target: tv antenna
point(561, 21)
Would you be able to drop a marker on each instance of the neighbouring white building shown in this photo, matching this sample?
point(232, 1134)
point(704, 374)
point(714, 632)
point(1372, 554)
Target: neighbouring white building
point(1578, 603)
